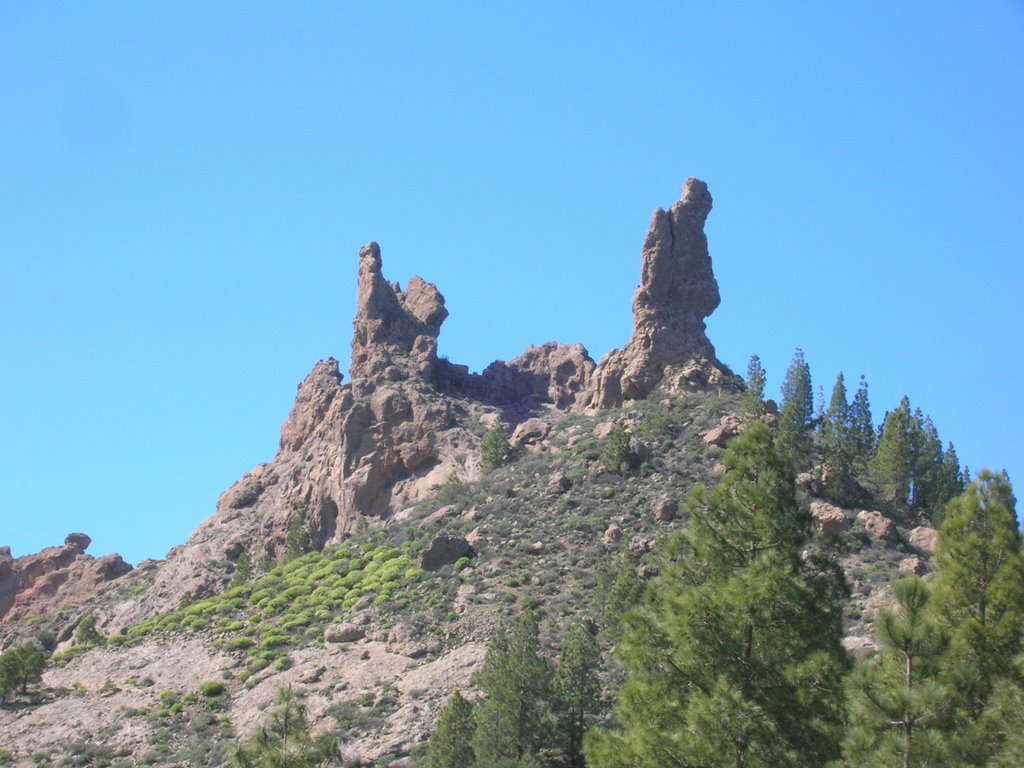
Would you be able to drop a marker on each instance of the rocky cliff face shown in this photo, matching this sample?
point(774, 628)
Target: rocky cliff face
point(408, 420)
point(57, 577)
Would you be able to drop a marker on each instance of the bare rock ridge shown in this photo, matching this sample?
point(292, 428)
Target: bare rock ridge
point(408, 419)
point(56, 577)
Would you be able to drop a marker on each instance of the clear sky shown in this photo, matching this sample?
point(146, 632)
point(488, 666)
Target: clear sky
point(184, 188)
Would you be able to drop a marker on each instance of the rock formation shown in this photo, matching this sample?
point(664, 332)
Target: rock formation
point(393, 330)
point(407, 419)
point(55, 578)
point(677, 292)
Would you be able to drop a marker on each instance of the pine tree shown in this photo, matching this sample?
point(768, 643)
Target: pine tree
point(898, 704)
point(735, 656)
point(451, 744)
point(862, 430)
point(951, 482)
point(752, 403)
point(926, 463)
point(838, 445)
point(513, 680)
point(979, 587)
point(285, 741)
point(576, 689)
point(495, 450)
point(892, 463)
point(796, 414)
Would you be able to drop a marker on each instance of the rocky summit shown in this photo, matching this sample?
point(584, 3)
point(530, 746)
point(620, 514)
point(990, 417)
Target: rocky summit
point(368, 563)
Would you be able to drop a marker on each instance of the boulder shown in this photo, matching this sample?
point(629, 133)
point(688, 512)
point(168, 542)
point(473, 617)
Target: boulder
point(728, 427)
point(640, 545)
point(912, 566)
point(924, 537)
point(79, 541)
point(828, 518)
point(558, 484)
point(344, 633)
point(529, 434)
point(445, 548)
point(664, 509)
point(612, 535)
point(877, 525)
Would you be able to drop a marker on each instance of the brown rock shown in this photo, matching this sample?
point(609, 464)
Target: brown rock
point(445, 548)
point(612, 535)
point(344, 633)
point(602, 430)
point(42, 583)
point(640, 545)
point(728, 427)
point(878, 525)
point(677, 291)
point(924, 538)
point(912, 566)
point(646, 571)
point(551, 373)
point(529, 433)
point(79, 541)
point(558, 484)
point(829, 518)
point(392, 327)
point(665, 508)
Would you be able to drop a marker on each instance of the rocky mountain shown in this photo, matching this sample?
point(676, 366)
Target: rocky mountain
point(367, 564)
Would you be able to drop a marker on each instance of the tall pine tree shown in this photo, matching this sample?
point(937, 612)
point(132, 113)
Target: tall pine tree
point(576, 689)
point(796, 414)
point(734, 657)
point(892, 464)
point(752, 403)
point(451, 744)
point(838, 446)
point(862, 430)
point(513, 680)
point(980, 588)
point(899, 705)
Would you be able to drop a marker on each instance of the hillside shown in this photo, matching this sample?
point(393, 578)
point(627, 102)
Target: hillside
point(369, 563)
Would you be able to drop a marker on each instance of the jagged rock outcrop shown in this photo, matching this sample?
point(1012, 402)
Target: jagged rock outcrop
point(559, 374)
point(406, 420)
point(56, 577)
point(677, 292)
point(395, 332)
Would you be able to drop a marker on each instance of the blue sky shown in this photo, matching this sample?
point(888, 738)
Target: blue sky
point(185, 187)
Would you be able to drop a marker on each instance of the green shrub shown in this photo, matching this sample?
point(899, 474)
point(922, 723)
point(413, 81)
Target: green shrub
point(212, 688)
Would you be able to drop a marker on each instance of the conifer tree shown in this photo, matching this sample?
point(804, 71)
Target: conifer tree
point(576, 689)
point(734, 657)
point(926, 470)
point(752, 403)
point(892, 464)
point(862, 429)
point(495, 450)
point(796, 414)
point(979, 588)
point(838, 445)
point(285, 741)
point(899, 707)
point(951, 482)
point(513, 680)
point(451, 744)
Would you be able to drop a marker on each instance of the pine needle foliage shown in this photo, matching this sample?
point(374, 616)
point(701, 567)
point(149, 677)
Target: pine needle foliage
point(735, 656)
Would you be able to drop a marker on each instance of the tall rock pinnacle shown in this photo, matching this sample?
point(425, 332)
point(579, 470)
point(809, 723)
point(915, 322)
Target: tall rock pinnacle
point(393, 328)
point(677, 292)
